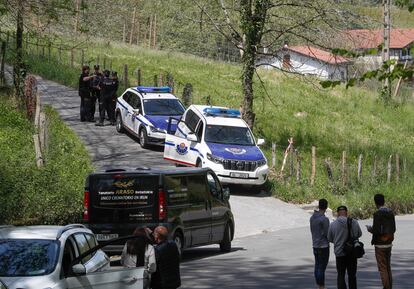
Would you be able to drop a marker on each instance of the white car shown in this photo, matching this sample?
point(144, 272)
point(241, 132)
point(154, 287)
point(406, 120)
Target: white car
point(217, 137)
point(145, 112)
point(59, 257)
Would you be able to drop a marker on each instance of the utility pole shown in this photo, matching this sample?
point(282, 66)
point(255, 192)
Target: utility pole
point(386, 48)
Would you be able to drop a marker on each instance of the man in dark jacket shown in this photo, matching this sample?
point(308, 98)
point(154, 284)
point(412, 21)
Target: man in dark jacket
point(96, 88)
point(319, 225)
point(85, 94)
point(105, 101)
point(167, 275)
point(383, 230)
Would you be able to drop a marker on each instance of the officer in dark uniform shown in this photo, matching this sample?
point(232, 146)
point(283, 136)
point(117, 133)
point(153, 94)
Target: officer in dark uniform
point(85, 94)
point(105, 100)
point(114, 76)
point(96, 88)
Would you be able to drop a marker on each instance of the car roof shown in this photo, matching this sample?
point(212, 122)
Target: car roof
point(155, 95)
point(152, 171)
point(218, 120)
point(46, 232)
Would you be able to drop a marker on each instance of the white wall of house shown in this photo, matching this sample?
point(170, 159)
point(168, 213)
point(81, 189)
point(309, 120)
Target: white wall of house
point(307, 65)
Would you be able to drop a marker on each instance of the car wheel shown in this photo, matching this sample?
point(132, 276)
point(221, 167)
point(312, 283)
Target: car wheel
point(178, 239)
point(143, 138)
point(225, 245)
point(119, 126)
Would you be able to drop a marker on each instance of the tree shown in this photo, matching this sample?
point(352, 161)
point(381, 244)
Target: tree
point(257, 26)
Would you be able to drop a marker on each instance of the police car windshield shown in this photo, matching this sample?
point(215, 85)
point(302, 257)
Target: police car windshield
point(229, 135)
point(163, 107)
point(25, 257)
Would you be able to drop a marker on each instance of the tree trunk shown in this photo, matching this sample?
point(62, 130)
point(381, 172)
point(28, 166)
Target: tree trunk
point(18, 63)
point(247, 78)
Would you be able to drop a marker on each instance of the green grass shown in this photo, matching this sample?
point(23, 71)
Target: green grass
point(333, 120)
point(51, 194)
point(400, 18)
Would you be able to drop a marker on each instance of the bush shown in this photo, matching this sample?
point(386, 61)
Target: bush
point(52, 194)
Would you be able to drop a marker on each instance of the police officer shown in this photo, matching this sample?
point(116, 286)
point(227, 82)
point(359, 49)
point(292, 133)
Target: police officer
point(85, 94)
point(114, 76)
point(96, 88)
point(105, 101)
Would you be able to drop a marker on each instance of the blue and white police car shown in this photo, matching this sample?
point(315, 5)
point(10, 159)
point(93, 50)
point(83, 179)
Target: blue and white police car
point(217, 137)
point(145, 112)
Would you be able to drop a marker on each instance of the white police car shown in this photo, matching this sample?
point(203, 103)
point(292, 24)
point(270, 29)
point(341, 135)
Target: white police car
point(217, 137)
point(145, 111)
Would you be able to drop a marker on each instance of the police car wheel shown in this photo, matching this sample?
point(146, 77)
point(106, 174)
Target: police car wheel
point(119, 126)
point(143, 138)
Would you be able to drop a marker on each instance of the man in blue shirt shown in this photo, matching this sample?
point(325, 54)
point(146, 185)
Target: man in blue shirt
point(319, 225)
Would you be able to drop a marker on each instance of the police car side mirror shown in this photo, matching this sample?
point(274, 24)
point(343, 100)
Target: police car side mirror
point(192, 137)
point(260, 142)
point(136, 111)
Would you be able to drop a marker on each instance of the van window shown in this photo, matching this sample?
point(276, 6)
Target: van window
point(177, 189)
point(214, 185)
point(197, 188)
point(83, 246)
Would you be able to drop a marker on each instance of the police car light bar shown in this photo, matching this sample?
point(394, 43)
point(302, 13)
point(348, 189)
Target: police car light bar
point(152, 89)
point(223, 112)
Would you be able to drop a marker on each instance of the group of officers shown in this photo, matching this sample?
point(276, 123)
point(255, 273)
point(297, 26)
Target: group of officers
point(101, 87)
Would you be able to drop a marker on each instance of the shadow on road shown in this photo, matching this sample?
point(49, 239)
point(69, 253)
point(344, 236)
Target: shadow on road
point(249, 191)
point(206, 252)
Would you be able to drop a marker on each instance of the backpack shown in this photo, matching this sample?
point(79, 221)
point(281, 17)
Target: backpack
point(353, 247)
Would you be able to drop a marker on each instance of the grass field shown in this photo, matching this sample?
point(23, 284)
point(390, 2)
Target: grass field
point(333, 120)
point(49, 195)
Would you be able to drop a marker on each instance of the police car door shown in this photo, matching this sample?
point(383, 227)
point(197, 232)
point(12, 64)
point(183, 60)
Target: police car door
point(180, 147)
point(133, 112)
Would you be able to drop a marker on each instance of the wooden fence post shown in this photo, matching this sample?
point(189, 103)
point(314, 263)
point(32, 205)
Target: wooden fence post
point(3, 59)
point(313, 173)
point(405, 167)
point(330, 173)
point(104, 62)
point(49, 51)
point(374, 168)
point(397, 168)
point(161, 80)
point(359, 167)
point(344, 180)
point(72, 58)
point(60, 54)
point(43, 51)
point(139, 76)
point(273, 155)
point(155, 80)
point(170, 82)
point(126, 76)
point(82, 57)
point(291, 165)
point(298, 167)
point(389, 169)
point(187, 94)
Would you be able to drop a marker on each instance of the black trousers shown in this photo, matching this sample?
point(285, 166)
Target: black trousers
point(85, 110)
point(105, 104)
point(96, 94)
point(346, 264)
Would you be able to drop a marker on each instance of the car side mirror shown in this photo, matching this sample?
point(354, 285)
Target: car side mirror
point(79, 269)
point(226, 194)
point(260, 142)
point(136, 111)
point(192, 137)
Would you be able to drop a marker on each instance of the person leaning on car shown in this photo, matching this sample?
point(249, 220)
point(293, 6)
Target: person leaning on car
point(167, 275)
point(383, 229)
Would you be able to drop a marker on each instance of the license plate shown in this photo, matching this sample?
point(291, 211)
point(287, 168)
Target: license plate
point(106, 237)
point(239, 175)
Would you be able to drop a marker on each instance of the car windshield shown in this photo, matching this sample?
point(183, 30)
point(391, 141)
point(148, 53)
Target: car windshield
point(229, 135)
point(27, 257)
point(163, 107)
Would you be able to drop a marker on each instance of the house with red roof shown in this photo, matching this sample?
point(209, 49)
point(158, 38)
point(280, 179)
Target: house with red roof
point(362, 40)
point(308, 60)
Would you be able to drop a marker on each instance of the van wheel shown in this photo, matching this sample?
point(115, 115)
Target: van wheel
point(178, 239)
point(143, 138)
point(119, 126)
point(225, 245)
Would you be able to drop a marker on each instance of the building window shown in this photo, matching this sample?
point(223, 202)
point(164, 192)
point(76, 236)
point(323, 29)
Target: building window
point(286, 61)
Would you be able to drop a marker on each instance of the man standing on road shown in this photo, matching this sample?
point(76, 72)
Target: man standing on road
point(105, 99)
point(319, 226)
point(167, 275)
point(85, 94)
point(96, 88)
point(338, 235)
point(383, 230)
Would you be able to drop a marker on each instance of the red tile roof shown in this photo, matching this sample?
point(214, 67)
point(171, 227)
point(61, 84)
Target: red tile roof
point(367, 39)
point(319, 54)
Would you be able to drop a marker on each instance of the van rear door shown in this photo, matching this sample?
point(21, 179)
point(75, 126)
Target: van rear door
point(119, 202)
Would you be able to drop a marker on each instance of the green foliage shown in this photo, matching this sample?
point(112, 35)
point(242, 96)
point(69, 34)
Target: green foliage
point(49, 195)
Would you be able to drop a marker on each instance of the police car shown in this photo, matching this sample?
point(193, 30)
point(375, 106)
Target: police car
point(217, 137)
point(145, 111)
